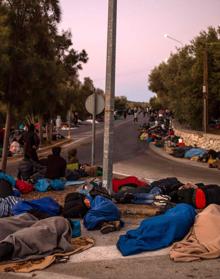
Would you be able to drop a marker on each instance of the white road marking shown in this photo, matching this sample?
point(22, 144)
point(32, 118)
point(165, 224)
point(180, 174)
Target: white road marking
point(45, 275)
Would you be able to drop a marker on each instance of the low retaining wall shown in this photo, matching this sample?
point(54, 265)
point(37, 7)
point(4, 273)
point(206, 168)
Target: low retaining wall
point(200, 139)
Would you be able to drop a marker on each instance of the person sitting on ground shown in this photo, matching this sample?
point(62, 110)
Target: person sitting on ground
point(56, 165)
point(25, 168)
point(15, 147)
point(28, 169)
point(73, 161)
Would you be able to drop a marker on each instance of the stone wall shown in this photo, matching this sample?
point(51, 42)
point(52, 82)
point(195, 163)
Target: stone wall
point(200, 139)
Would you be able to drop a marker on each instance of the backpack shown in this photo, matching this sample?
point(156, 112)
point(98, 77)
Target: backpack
point(23, 186)
point(5, 189)
point(74, 206)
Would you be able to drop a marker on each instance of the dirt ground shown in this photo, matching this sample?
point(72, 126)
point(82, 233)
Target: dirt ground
point(58, 196)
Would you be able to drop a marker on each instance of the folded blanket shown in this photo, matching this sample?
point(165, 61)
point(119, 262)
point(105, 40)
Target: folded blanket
point(203, 241)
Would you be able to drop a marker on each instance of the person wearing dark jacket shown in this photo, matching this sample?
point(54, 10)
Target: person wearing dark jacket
point(31, 143)
point(28, 169)
point(25, 168)
point(56, 165)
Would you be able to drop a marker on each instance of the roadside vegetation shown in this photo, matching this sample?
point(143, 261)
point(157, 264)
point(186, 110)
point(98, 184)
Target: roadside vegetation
point(178, 83)
point(39, 72)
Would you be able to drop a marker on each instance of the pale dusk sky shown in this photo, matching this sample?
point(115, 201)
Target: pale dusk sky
point(141, 45)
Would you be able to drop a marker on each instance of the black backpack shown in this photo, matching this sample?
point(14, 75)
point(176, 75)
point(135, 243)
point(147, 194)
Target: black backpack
point(74, 206)
point(5, 189)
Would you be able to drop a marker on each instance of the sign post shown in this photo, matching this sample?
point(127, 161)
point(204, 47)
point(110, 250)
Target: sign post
point(93, 129)
point(94, 105)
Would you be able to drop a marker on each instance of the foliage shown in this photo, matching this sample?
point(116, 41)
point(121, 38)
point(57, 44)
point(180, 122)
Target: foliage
point(178, 83)
point(39, 66)
point(121, 103)
point(155, 103)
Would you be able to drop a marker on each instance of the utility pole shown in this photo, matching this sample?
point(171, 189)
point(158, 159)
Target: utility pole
point(205, 91)
point(109, 96)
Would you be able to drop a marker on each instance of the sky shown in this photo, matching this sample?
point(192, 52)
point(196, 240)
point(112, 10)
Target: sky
point(141, 45)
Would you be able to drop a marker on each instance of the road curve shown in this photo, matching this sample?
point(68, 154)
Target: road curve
point(133, 157)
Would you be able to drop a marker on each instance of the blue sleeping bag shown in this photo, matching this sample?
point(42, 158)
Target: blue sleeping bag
point(194, 152)
point(102, 209)
point(46, 205)
point(159, 231)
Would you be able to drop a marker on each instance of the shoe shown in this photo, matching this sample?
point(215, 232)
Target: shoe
point(162, 198)
point(159, 203)
point(107, 228)
point(117, 225)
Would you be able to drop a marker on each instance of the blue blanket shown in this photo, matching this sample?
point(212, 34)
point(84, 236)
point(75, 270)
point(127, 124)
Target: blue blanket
point(102, 209)
point(194, 152)
point(159, 231)
point(46, 205)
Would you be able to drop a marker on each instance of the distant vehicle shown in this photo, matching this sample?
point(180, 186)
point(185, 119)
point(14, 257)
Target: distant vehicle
point(214, 123)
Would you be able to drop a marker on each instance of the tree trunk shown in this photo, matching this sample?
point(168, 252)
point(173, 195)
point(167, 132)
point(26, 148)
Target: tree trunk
point(40, 121)
point(6, 138)
point(48, 132)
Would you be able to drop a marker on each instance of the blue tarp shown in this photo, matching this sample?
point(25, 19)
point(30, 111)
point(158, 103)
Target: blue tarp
point(194, 152)
point(102, 209)
point(46, 205)
point(42, 185)
point(8, 178)
point(159, 231)
point(45, 184)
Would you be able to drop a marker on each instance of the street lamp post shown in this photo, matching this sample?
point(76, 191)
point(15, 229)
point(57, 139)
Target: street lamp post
point(172, 38)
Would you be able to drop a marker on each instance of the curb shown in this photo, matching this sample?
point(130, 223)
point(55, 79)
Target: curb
point(164, 154)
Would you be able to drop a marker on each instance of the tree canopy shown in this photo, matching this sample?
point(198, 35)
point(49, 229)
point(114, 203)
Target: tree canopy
point(39, 65)
point(178, 82)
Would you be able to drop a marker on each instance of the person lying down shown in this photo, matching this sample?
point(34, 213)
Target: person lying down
point(26, 237)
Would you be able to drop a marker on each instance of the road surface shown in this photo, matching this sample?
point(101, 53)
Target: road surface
point(134, 157)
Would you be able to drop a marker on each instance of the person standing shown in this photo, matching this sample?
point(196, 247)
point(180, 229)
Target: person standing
point(125, 114)
point(31, 143)
point(76, 119)
point(135, 116)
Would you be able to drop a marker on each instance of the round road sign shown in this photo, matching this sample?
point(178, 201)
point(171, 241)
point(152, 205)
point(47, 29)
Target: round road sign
point(100, 103)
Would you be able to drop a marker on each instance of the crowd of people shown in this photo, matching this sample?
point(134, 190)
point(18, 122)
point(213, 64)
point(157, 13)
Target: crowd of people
point(183, 208)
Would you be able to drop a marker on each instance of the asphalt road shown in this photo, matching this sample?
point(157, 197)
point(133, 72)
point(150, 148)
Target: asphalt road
point(133, 157)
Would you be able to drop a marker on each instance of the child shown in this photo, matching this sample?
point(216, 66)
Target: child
point(73, 162)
